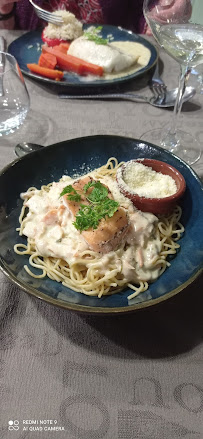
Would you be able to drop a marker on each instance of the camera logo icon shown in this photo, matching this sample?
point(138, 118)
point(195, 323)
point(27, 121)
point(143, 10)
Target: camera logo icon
point(13, 425)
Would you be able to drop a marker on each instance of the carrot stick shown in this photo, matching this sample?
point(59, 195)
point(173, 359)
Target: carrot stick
point(88, 67)
point(43, 71)
point(72, 63)
point(63, 47)
point(47, 60)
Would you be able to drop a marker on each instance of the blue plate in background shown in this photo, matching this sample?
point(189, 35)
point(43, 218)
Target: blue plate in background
point(85, 154)
point(27, 49)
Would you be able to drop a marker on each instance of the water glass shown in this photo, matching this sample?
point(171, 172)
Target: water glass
point(14, 97)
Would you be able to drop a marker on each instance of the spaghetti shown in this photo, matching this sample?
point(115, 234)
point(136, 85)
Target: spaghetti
point(59, 251)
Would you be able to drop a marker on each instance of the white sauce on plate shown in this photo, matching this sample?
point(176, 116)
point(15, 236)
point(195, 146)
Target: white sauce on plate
point(132, 48)
point(50, 223)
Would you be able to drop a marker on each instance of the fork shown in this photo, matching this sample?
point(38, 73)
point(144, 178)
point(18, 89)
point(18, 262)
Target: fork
point(157, 85)
point(46, 15)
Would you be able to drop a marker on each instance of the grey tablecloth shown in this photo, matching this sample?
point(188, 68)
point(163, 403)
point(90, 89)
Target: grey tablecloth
point(64, 375)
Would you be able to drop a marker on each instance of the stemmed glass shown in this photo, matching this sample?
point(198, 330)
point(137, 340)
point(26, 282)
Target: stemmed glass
point(171, 24)
point(14, 97)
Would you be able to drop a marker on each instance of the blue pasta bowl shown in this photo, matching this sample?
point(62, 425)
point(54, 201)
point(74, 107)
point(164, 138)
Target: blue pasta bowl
point(80, 156)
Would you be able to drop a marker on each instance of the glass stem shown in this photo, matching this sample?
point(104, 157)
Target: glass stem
point(184, 76)
point(170, 140)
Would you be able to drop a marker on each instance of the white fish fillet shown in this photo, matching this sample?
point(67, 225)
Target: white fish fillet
point(107, 56)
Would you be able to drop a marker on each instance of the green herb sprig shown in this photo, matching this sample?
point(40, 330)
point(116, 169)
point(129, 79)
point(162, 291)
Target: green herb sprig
point(100, 205)
point(73, 194)
point(93, 35)
point(99, 193)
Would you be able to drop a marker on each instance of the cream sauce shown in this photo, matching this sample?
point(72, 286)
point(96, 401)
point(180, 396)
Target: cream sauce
point(131, 48)
point(54, 234)
point(50, 224)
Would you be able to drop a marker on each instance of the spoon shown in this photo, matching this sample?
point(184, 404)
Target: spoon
point(168, 101)
point(24, 148)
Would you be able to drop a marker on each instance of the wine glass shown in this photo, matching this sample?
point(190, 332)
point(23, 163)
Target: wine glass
point(171, 24)
point(14, 97)
point(197, 78)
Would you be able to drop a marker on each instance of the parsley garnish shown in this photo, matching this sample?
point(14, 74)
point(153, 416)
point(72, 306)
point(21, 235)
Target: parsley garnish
point(89, 216)
point(73, 194)
point(99, 192)
point(92, 34)
point(100, 205)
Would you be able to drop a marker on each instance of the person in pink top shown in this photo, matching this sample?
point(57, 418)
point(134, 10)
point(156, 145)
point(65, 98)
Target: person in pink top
point(125, 13)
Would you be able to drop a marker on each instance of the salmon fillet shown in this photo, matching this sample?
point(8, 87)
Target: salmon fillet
point(109, 232)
